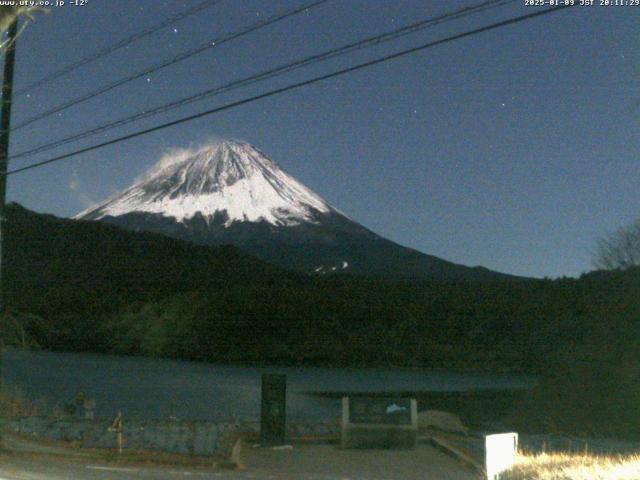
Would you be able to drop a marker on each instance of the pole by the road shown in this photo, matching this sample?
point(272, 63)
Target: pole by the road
point(5, 126)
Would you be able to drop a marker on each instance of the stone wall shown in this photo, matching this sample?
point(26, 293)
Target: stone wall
point(174, 436)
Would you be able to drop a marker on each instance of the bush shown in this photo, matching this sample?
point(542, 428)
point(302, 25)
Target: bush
point(585, 399)
point(21, 330)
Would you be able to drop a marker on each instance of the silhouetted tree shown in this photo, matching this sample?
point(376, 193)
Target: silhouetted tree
point(619, 250)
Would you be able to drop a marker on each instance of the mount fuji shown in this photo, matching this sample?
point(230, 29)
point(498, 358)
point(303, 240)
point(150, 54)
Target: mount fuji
point(232, 193)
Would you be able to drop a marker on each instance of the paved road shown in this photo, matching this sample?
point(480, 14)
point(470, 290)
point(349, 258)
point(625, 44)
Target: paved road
point(21, 467)
point(312, 462)
point(326, 462)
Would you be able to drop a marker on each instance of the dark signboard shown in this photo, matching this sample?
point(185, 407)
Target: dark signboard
point(384, 411)
point(273, 412)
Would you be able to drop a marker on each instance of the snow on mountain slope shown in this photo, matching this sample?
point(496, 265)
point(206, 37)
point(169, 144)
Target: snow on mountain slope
point(229, 176)
point(230, 193)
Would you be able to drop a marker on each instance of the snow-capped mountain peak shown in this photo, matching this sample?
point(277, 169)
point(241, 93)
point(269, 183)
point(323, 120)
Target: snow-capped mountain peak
point(228, 177)
point(230, 193)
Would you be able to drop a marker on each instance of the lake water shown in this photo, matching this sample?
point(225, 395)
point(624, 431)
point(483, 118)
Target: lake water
point(153, 388)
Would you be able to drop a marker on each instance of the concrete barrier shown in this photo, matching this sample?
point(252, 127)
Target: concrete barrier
point(445, 421)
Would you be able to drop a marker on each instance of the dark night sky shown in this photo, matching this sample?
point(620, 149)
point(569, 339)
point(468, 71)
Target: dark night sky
point(514, 149)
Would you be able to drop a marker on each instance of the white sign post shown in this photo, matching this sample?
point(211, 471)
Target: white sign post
point(500, 453)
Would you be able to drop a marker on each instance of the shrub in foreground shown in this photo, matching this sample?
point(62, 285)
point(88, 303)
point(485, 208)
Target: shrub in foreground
point(558, 466)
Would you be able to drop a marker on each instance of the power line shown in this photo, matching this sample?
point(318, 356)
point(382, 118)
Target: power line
point(270, 73)
point(118, 45)
point(171, 61)
point(294, 86)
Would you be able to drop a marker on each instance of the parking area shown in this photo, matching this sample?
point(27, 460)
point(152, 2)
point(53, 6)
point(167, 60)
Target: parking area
point(330, 462)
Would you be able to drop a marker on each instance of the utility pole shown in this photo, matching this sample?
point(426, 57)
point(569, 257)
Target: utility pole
point(5, 125)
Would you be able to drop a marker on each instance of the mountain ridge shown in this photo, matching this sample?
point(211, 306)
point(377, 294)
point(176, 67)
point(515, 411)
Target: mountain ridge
point(232, 193)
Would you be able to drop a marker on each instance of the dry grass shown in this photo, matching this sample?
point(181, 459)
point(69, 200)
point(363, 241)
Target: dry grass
point(560, 466)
